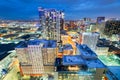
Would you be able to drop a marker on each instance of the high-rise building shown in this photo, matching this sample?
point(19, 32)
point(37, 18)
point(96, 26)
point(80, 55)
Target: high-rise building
point(32, 58)
point(52, 22)
point(90, 39)
point(100, 19)
point(87, 19)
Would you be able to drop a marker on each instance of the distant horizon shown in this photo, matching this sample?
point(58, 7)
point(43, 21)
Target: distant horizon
point(64, 19)
point(74, 10)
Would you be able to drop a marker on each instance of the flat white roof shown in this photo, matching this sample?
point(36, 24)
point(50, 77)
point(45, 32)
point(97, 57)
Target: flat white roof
point(94, 63)
point(72, 60)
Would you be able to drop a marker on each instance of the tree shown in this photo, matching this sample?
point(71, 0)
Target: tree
point(112, 27)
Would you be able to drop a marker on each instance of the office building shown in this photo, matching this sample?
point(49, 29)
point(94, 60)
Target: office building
point(83, 66)
point(87, 19)
point(49, 54)
point(100, 19)
point(34, 55)
point(91, 61)
point(52, 22)
point(30, 57)
point(90, 39)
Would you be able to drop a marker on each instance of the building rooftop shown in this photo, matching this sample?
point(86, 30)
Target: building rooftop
point(50, 44)
point(91, 33)
point(46, 43)
point(115, 70)
point(7, 47)
point(86, 52)
point(22, 44)
point(72, 60)
point(78, 60)
point(94, 63)
point(35, 42)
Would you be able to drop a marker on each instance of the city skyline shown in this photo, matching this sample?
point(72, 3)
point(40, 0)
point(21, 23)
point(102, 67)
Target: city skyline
point(28, 9)
point(55, 48)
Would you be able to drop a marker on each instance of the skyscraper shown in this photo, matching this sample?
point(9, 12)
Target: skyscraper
point(51, 22)
point(100, 19)
point(87, 19)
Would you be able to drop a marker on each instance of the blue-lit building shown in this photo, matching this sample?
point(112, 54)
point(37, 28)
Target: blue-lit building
point(84, 65)
point(113, 73)
point(91, 61)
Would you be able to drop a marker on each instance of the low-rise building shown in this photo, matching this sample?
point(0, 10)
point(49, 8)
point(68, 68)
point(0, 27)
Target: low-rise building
point(84, 65)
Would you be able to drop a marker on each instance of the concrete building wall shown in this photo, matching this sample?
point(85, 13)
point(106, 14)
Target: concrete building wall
point(22, 54)
point(49, 69)
point(27, 69)
point(90, 39)
point(35, 54)
point(31, 59)
point(49, 55)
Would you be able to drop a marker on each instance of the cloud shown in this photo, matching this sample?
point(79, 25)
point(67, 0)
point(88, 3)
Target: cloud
point(28, 9)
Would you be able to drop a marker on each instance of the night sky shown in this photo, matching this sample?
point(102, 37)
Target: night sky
point(74, 9)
